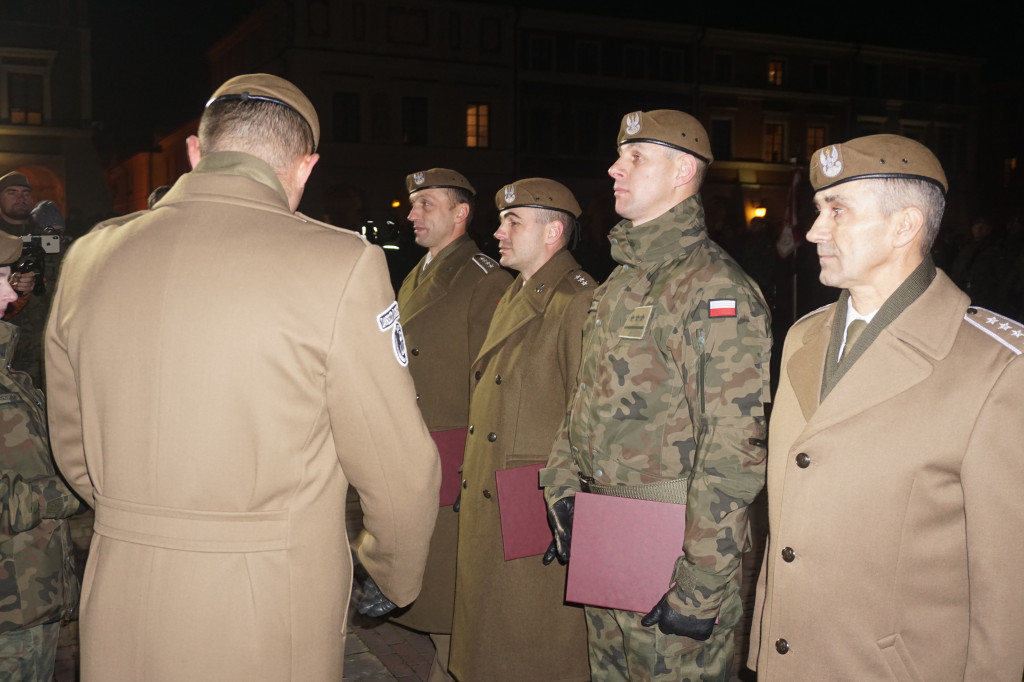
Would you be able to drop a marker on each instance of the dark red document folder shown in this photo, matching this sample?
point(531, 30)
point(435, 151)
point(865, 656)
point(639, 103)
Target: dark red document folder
point(451, 444)
point(524, 516)
point(623, 551)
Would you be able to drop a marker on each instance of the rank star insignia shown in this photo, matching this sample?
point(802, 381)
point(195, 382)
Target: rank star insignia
point(992, 320)
point(1004, 326)
point(1017, 333)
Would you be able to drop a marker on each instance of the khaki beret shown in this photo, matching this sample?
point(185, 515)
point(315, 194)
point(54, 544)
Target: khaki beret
point(14, 179)
point(267, 88)
point(10, 248)
point(437, 177)
point(537, 193)
point(667, 127)
point(875, 156)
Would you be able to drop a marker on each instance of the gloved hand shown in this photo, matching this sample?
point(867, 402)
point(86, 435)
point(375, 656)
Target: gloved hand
point(374, 603)
point(458, 503)
point(560, 520)
point(671, 622)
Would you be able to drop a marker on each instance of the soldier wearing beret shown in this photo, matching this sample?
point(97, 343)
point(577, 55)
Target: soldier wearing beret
point(37, 578)
point(510, 620)
point(217, 441)
point(895, 469)
point(669, 405)
point(446, 303)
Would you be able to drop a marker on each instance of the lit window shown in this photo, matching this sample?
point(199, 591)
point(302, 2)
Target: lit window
point(774, 142)
point(1009, 170)
point(775, 69)
point(478, 125)
point(815, 138)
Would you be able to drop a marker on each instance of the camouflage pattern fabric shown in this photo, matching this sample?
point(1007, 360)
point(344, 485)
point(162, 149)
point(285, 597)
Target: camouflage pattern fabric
point(29, 655)
point(670, 390)
point(37, 578)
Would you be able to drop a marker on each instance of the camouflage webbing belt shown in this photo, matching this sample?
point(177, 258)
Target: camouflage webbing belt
point(673, 491)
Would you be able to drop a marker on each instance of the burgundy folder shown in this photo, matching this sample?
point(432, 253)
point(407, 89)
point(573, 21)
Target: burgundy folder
point(623, 551)
point(450, 446)
point(524, 516)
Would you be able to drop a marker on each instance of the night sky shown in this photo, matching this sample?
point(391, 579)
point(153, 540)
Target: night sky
point(151, 73)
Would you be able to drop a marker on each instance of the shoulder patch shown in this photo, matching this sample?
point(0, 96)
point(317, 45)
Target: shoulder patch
point(485, 262)
point(1008, 332)
point(398, 344)
point(722, 307)
point(388, 317)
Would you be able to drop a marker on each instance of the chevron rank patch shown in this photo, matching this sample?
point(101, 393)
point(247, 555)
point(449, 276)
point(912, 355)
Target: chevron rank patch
point(722, 307)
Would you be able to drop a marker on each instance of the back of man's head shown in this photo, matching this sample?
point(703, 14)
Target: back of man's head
point(262, 115)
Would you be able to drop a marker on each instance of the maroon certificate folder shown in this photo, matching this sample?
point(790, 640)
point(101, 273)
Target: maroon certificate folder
point(450, 446)
point(524, 516)
point(623, 551)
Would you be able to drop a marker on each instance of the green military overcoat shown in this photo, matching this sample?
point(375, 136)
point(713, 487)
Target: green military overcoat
point(510, 620)
point(445, 310)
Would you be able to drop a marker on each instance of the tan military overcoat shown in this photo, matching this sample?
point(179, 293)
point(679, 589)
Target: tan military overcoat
point(445, 311)
point(895, 504)
point(220, 370)
point(510, 620)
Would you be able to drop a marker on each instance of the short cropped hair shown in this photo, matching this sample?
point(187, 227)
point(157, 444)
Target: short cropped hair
point(568, 220)
point(458, 195)
point(272, 132)
point(899, 193)
point(702, 165)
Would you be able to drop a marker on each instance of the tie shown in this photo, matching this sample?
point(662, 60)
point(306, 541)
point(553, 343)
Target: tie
point(853, 332)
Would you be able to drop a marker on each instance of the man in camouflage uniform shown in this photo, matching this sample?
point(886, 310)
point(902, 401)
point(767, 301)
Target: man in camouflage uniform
point(38, 584)
point(669, 406)
point(510, 620)
point(445, 304)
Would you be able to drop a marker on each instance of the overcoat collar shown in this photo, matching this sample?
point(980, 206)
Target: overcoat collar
point(521, 303)
point(903, 354)
point(431, 285)
point(225, 176)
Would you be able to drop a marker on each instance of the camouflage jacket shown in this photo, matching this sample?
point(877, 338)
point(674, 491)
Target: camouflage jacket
point(672, 386)
point(37, 578)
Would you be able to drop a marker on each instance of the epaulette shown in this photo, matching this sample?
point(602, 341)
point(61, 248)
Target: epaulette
point(485, 262)
point(334, 228)
point(581, 280)
point(1006, 331)
point(813, 313)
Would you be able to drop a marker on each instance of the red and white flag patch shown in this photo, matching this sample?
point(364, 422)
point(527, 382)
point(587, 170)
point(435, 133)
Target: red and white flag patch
point(722, 307)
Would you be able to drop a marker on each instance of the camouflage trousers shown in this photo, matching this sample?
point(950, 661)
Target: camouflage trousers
point(623, 650)
point(28, 655)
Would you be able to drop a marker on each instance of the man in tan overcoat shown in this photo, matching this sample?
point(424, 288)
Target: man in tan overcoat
point(895, 471)
point(214, 415)
point(446, 304)
point(511, 623)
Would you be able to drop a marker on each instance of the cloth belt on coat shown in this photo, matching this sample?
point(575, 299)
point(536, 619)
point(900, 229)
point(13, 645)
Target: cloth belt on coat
point(190, 530)
point(673, 491)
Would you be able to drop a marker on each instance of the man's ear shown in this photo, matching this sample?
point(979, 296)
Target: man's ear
point(686, 169)
point(304, 169)
point(909, 224)
point(192, 145)
point(553, 232)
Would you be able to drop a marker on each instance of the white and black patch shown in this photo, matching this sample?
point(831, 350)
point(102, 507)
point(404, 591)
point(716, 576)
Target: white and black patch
point(398, 342)
point(485, 262)
point(388, 317)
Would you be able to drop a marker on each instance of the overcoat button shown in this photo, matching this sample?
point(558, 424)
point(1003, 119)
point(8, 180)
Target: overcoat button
point(497, 379)
point(465, 484)
point(782, 646)
point(492, 436)
point(487, 494)
point(478, 375)
point(471, 429)
point(415, 351)
point(803, 460)
point(417, 396)
point(598, 473)
point(788, 554)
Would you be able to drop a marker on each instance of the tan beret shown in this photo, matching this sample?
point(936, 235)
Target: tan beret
point(537, 193)
point(267, 88)
point(10, 248)
point(875, 156)
point(437, 177)
point(14, 179)
point(667, 127)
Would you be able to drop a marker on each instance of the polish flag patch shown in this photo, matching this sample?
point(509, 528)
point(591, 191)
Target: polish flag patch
point(722, 307)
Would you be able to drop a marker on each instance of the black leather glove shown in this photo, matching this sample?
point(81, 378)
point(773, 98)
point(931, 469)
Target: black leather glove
point(671, 622)
point(560, 520)
point(374, 603)
point(458, 503)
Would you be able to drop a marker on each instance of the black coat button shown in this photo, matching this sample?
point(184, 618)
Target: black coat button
point(492, 436)
point(803, 460)
point(497, 379)
point(465, 484)
point(478, 375)
point(415, 351)
point(782, 646)
point(487, 494)
point(788, 554)
point(471, 429)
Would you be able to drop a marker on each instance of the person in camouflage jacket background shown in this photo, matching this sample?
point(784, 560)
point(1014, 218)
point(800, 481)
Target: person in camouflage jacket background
point(669, 406)
point(38, 584)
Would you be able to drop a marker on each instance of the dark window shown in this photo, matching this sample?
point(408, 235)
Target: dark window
point(490, 35)
point(588, 56)
point(414, 120)
point(774, 142)
point(345, 110)
point(25, 95)
point(407, 26)
point(540, 53)
point(721, 139)
point(723, 67)
point(819, 76)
